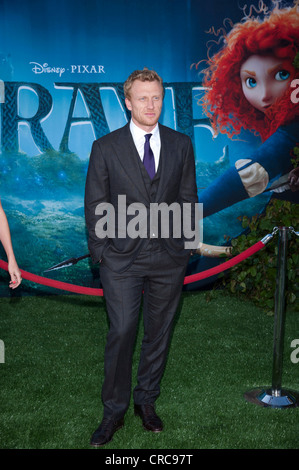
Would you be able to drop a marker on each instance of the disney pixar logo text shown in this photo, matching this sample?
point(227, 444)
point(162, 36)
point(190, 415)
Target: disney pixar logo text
point(82, 69)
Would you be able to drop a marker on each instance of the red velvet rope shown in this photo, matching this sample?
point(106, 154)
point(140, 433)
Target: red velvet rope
point(56, 284)
point(224, 266)
point(99, 292)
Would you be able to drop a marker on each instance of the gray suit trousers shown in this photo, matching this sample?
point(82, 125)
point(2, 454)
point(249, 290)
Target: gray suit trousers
point(156, 279)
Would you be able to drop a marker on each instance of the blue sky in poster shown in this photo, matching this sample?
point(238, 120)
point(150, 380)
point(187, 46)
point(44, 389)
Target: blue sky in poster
point(121, 35)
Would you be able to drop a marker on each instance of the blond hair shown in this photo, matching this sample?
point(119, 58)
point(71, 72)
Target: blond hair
point(144, 75)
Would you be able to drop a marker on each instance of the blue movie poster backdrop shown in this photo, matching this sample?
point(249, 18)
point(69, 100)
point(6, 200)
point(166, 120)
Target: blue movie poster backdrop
point(63, 64)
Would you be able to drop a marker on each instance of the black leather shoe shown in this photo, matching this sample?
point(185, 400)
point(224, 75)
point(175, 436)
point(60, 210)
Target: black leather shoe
point(150, 420)
point(105, 432)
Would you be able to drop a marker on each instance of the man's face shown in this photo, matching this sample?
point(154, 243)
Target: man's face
point(145, 103)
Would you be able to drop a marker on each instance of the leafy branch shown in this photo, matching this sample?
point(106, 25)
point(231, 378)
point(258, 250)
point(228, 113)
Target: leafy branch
point(255, 278)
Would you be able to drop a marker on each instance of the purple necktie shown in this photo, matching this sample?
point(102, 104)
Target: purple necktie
point(148, 159)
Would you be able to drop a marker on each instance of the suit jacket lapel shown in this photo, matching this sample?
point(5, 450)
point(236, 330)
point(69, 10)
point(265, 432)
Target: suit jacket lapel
point(128, 158)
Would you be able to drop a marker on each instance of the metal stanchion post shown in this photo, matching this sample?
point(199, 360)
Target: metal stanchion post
point(276, 397)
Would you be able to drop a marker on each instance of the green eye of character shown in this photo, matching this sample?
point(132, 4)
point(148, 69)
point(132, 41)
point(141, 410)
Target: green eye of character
point(250, 82)
point(282, 75)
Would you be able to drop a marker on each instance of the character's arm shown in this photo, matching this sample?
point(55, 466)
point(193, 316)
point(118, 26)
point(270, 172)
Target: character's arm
point(251, 176)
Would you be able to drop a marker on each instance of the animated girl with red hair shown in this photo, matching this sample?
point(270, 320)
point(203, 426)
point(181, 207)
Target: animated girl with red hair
point(250, 85)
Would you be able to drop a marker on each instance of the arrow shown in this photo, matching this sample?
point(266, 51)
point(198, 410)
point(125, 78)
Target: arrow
point(66, 263)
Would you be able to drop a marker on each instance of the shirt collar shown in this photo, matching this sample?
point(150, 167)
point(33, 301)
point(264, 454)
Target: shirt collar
point(139, 133)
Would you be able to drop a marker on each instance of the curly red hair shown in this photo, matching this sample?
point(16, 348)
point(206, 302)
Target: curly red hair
point(224, 102)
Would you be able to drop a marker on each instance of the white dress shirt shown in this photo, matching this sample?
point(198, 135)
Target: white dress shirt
point(139, 140)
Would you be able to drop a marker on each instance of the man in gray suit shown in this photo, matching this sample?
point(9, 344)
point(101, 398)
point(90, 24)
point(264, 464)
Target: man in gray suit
point(132, 170)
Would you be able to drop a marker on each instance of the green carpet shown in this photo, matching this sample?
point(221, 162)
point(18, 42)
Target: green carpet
point(53, 371)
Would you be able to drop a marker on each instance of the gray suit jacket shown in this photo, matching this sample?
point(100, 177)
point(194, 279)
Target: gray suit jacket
point(115, 170)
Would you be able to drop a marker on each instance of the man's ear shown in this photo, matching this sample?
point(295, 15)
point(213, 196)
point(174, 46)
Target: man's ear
point(128, 104)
